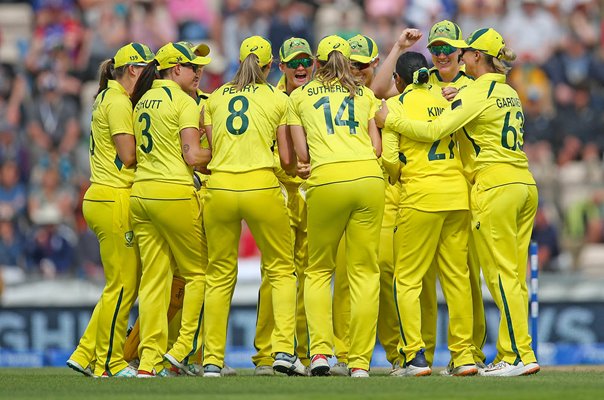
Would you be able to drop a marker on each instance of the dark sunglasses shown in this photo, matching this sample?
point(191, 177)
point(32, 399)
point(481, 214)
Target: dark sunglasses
point(194, 67)
point(294, 64)
point(360, 66)
point(445, 49)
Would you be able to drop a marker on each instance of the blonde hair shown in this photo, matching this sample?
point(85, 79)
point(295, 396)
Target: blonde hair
point(249, 72)
point(337, 67)
point(500, 63)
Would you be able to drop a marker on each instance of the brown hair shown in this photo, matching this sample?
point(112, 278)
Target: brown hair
point(337, 67)
point(144, 82)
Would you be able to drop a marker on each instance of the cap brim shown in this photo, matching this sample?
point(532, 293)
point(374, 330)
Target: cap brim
point(294, 54)
point(452, 42)
point(202, 50)
point(361, 59)
point(201, 60)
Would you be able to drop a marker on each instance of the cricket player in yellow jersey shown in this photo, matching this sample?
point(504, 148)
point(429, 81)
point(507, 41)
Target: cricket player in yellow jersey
point(331, 123)
point(447, 77)
point(243, 119)
point(166, 208)
point(296, 65)
point(432, 224)
point(504, 195)
point(106, 209)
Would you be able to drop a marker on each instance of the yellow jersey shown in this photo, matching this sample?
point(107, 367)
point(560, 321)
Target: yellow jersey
point(430, 173)
point(490, 115)
point(159, 116)
point(111, 115)
point(244, 125)
point(336, 124)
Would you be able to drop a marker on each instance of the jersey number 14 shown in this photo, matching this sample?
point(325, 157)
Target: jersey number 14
point(348, 102)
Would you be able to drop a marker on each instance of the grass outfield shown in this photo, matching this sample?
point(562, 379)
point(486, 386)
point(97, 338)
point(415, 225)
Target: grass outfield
point(61, 383)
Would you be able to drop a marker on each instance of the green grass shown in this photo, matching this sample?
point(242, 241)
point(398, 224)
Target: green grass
point(61, 383)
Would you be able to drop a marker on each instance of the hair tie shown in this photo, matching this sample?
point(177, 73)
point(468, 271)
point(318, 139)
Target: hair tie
point(416, 75)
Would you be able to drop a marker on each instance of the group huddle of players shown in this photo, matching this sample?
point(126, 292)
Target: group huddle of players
point(353, 224)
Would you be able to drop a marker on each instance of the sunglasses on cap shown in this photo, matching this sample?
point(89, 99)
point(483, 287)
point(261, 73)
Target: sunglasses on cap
point(445, 49)
point(294, 64)
point(194, 67)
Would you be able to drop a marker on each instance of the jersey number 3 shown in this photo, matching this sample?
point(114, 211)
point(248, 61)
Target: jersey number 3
point(145, 132)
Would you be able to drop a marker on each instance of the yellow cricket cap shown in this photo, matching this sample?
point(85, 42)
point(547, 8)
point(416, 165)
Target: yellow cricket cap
point(445, 31)
point(177, 53)
point(487, 40)
point(259, 46)
point(332, 43)
point(292, 47)
point(363, 49)
point(132, 53)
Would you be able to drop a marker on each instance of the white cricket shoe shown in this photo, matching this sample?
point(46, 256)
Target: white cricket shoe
point(416, 367)
point(358, 373)
point(289, 364)
point(462, 370)
point(264, 370)
point(503, 368)
point(319, 365)
point(78, 368)
point(175, 363)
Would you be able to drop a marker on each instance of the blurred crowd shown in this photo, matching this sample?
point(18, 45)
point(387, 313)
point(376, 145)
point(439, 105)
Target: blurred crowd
point(50, 51)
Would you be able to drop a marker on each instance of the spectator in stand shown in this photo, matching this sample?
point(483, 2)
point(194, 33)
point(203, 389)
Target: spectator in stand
point(48, 196)
point(579, 121)
point(12, 243)
point(546, 236)
point(474, 14)
point(196, 19)
point(13, 196)
point(56, 31)
point(531, 20)
point(150, 23)
point(106, 31)
point(585, 219)
point(12, 91)
point(53, 120)
point(51, 247)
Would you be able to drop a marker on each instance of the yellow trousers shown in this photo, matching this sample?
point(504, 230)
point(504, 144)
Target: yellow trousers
point(265, 213)
point(107, 213)
point(168, 231)
point(354, 209)
point(264, 319)
point(502, 222)
point(424, 239)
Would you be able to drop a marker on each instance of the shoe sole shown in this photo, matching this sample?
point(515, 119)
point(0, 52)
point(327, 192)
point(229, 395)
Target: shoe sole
point(212, 375)
point(320, 370)
point(469, 372)
point(531, 371)
point(264, 372)
point(286, 368)
point(77, 368)
point(178, 364)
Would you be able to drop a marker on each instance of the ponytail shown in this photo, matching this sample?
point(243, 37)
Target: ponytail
point(337, 67)
point(249, 72)
point(500, 63)
point(421, 76)
point(144, 82)
point(105, 74)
